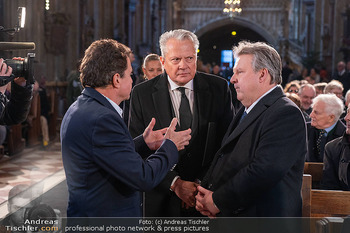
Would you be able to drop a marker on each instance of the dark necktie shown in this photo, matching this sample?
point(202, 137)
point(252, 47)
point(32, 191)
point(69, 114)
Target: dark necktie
point(184, 111)
point(321, 133)
point(242, 117)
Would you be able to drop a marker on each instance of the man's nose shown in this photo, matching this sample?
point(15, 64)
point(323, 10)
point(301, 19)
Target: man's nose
point(183, 64)
point(233, 79)
point(312, 114)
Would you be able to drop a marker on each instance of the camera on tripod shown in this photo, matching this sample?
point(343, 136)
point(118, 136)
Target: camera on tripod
point(23, 67)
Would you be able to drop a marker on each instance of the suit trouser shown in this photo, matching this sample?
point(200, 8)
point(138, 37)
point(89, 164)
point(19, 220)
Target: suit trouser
point(44, 128)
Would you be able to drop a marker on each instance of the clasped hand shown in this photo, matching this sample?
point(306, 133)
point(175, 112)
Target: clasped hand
point(154, 139)
point(186, 191)
point(205, 204)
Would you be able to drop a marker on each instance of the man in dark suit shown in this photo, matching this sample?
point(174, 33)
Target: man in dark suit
point(258, 170)
point(103, 168)
point(342, 76)
point(204, 106)
point(336, 170)
point(324, 126)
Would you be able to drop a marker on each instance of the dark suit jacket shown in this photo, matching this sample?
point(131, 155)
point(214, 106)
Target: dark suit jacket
point(212, 115)
point(104, 172)
point(336, 170)
point(336, 132)
point(258, 170)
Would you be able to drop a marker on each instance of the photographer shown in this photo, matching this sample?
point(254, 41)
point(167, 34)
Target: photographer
point(16, 109)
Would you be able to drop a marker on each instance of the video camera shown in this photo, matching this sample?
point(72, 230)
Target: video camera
point(23, 67)
point(20, 69)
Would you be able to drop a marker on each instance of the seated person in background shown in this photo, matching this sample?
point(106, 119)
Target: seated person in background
point(296, 99)
point(292, 87)
point(347, 98)
point(306, 93)
point(336, 170)
point(217, 71)
point(151, 66)
point(44, 110)
point(347, 102)
point(74, 86)
point(314, 75)
point(319, 87)
point(310, 80)
point(293, 97)
point(335, 87)
point(325, 125)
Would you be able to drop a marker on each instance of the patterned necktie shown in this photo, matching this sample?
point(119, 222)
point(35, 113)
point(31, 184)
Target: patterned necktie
point(184, 111)
point(321, 133)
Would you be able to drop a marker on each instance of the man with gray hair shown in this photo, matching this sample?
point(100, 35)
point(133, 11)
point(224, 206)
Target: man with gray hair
point(335, 87)
point(306, 93)
point(199, 101)
point(336, 172)
point(325, 125)
point(258, 170)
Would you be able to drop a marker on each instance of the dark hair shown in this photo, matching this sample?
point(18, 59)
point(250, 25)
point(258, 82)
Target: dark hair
point(101, 61)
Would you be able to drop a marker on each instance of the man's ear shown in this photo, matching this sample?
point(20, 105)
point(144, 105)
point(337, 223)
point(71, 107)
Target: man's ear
point(264, 74)
point(331, 118)
point(162, 60)
point(116, 80)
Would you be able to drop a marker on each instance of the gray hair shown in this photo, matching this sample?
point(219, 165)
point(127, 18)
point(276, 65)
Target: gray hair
point(264, 56)
point(334, 105)
point(333, 85)
point(307, 85)
point(347, 96)
point(179, 34)
point(150, 57)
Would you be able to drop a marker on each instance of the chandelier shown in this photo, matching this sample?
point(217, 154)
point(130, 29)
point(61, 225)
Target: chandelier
point(232, 7)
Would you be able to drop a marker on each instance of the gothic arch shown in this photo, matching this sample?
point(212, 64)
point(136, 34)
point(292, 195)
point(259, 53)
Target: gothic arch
point(223, 21)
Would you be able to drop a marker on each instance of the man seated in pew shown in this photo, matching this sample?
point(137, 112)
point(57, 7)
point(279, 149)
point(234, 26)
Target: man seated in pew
point(336, 170)
point(44, 111)
point(347, 102)
point(325, 125)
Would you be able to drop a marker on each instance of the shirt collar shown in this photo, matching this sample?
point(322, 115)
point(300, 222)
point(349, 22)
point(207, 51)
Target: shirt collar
point(115, 106)
point(174, 86)
point(252, 106)
point(330, 128)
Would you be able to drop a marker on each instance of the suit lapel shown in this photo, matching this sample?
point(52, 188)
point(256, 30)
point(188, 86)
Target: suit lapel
point(202, 103)
point(255, 113)
point(162, 102)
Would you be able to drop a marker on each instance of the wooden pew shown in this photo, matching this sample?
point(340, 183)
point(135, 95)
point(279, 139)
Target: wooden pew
point(326, 207)
point(330, 203)
point(324, 203)
point(14, 143)
point(316, 171)
point(306, 195)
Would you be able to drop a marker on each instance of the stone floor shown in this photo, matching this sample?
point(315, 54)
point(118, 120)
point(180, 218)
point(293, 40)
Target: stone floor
point(41, 170)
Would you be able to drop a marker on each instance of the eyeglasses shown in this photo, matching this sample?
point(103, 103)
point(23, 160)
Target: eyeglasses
point(295, 91)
